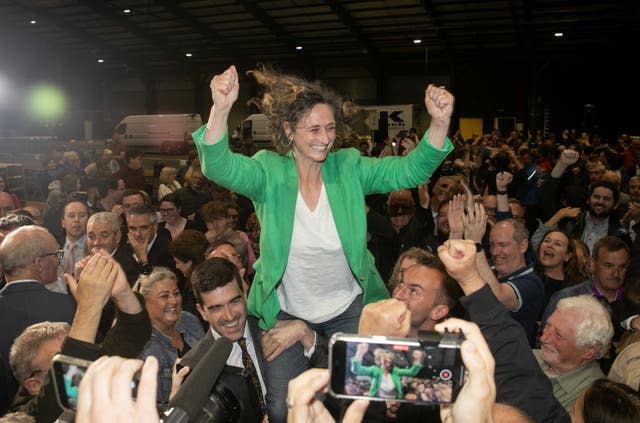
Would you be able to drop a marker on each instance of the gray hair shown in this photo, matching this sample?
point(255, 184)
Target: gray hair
point(520, 231)
point(25, 347)
point(142, 209)
point(145, 282)
point(594, 322)
point(21, 247)
point(105, 217)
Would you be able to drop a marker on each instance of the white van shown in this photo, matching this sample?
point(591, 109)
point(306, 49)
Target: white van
point(158, 133)
point(255, 126)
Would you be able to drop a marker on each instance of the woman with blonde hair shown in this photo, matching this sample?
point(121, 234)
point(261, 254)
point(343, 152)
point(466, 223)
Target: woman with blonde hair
point(167, 182)
point(173, 331)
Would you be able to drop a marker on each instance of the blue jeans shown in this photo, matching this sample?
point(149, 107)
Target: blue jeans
point(292, 362)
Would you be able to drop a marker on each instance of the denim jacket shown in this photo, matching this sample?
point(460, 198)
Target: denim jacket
point(160, 347)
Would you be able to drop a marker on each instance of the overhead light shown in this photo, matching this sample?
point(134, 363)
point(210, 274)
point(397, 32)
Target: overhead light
point(126, 11)
point(100, 60)
point(188, 54)
point(32, 21)
point(417, 41)
point(558, 34)
point(298, 47)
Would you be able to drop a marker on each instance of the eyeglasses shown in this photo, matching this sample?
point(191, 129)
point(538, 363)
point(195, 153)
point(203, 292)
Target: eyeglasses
point(59, 254)
point(166, 210)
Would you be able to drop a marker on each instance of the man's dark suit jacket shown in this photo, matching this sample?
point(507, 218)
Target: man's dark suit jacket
point(158, 255)
point(23, 304)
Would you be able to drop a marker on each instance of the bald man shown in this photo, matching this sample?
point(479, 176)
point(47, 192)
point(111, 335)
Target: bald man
point(29, 257)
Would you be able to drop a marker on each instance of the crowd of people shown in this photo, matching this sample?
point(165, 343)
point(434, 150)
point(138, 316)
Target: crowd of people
point(527, 244)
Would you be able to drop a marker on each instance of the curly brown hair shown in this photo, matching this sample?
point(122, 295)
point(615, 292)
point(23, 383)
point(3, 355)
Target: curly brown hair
point(288, 98)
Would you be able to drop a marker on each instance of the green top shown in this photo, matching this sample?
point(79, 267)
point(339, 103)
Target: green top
point(375, 373)
point(568, 386)
point(271, 182)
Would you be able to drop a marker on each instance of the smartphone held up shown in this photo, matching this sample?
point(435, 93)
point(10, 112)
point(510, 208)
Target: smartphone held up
point(428, 370)
point(67, 373)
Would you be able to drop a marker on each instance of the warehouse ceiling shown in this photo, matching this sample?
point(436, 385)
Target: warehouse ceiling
point(383, 37)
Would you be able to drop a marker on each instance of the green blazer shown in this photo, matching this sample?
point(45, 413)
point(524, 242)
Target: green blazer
point(375, 373)
point(271, 182)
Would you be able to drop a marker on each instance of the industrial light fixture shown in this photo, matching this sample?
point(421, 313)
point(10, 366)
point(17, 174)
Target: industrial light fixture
point(417, 41)
point(100, 60)
point(298, 47)
point(558, 34)
point(126, 11)
point(188, 54)
point(32, 21)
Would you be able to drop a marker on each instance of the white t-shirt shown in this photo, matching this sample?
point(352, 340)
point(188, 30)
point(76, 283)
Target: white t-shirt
point(318, 284)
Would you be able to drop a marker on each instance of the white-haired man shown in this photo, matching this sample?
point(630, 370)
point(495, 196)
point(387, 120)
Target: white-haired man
point(576, 334)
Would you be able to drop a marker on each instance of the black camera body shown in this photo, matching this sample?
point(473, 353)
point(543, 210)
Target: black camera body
point(230, 401)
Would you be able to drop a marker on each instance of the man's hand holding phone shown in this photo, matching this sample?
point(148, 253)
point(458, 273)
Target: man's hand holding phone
point(475, 401)
point(105, 391)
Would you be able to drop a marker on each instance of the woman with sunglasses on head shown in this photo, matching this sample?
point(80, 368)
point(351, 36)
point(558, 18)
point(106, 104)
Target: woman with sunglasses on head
point(173, 331)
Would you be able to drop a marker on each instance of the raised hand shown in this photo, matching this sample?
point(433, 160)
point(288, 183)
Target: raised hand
point(386, 317)
point(95, 282)
point(224, 90)
point(475, 223)
point(459, 257)
point(503, 179)
point(468, 197)
point(439, 102)
point(569, 157)
point(456, 217)
point(570, 212)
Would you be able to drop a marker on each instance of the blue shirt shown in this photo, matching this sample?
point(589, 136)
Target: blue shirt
point(160, 347)
point(530, 292)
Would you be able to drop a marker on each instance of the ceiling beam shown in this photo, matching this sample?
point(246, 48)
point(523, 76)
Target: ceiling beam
point(375, 62)
point(171, 55)
point(211, 36)
point(441, 33)
point(97, 46)
point(282, 35)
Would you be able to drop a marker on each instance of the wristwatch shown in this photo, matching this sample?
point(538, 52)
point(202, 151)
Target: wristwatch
point(479, 247)
point(502, 192)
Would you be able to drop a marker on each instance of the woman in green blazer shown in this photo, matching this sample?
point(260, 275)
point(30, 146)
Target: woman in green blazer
point(310, 200)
